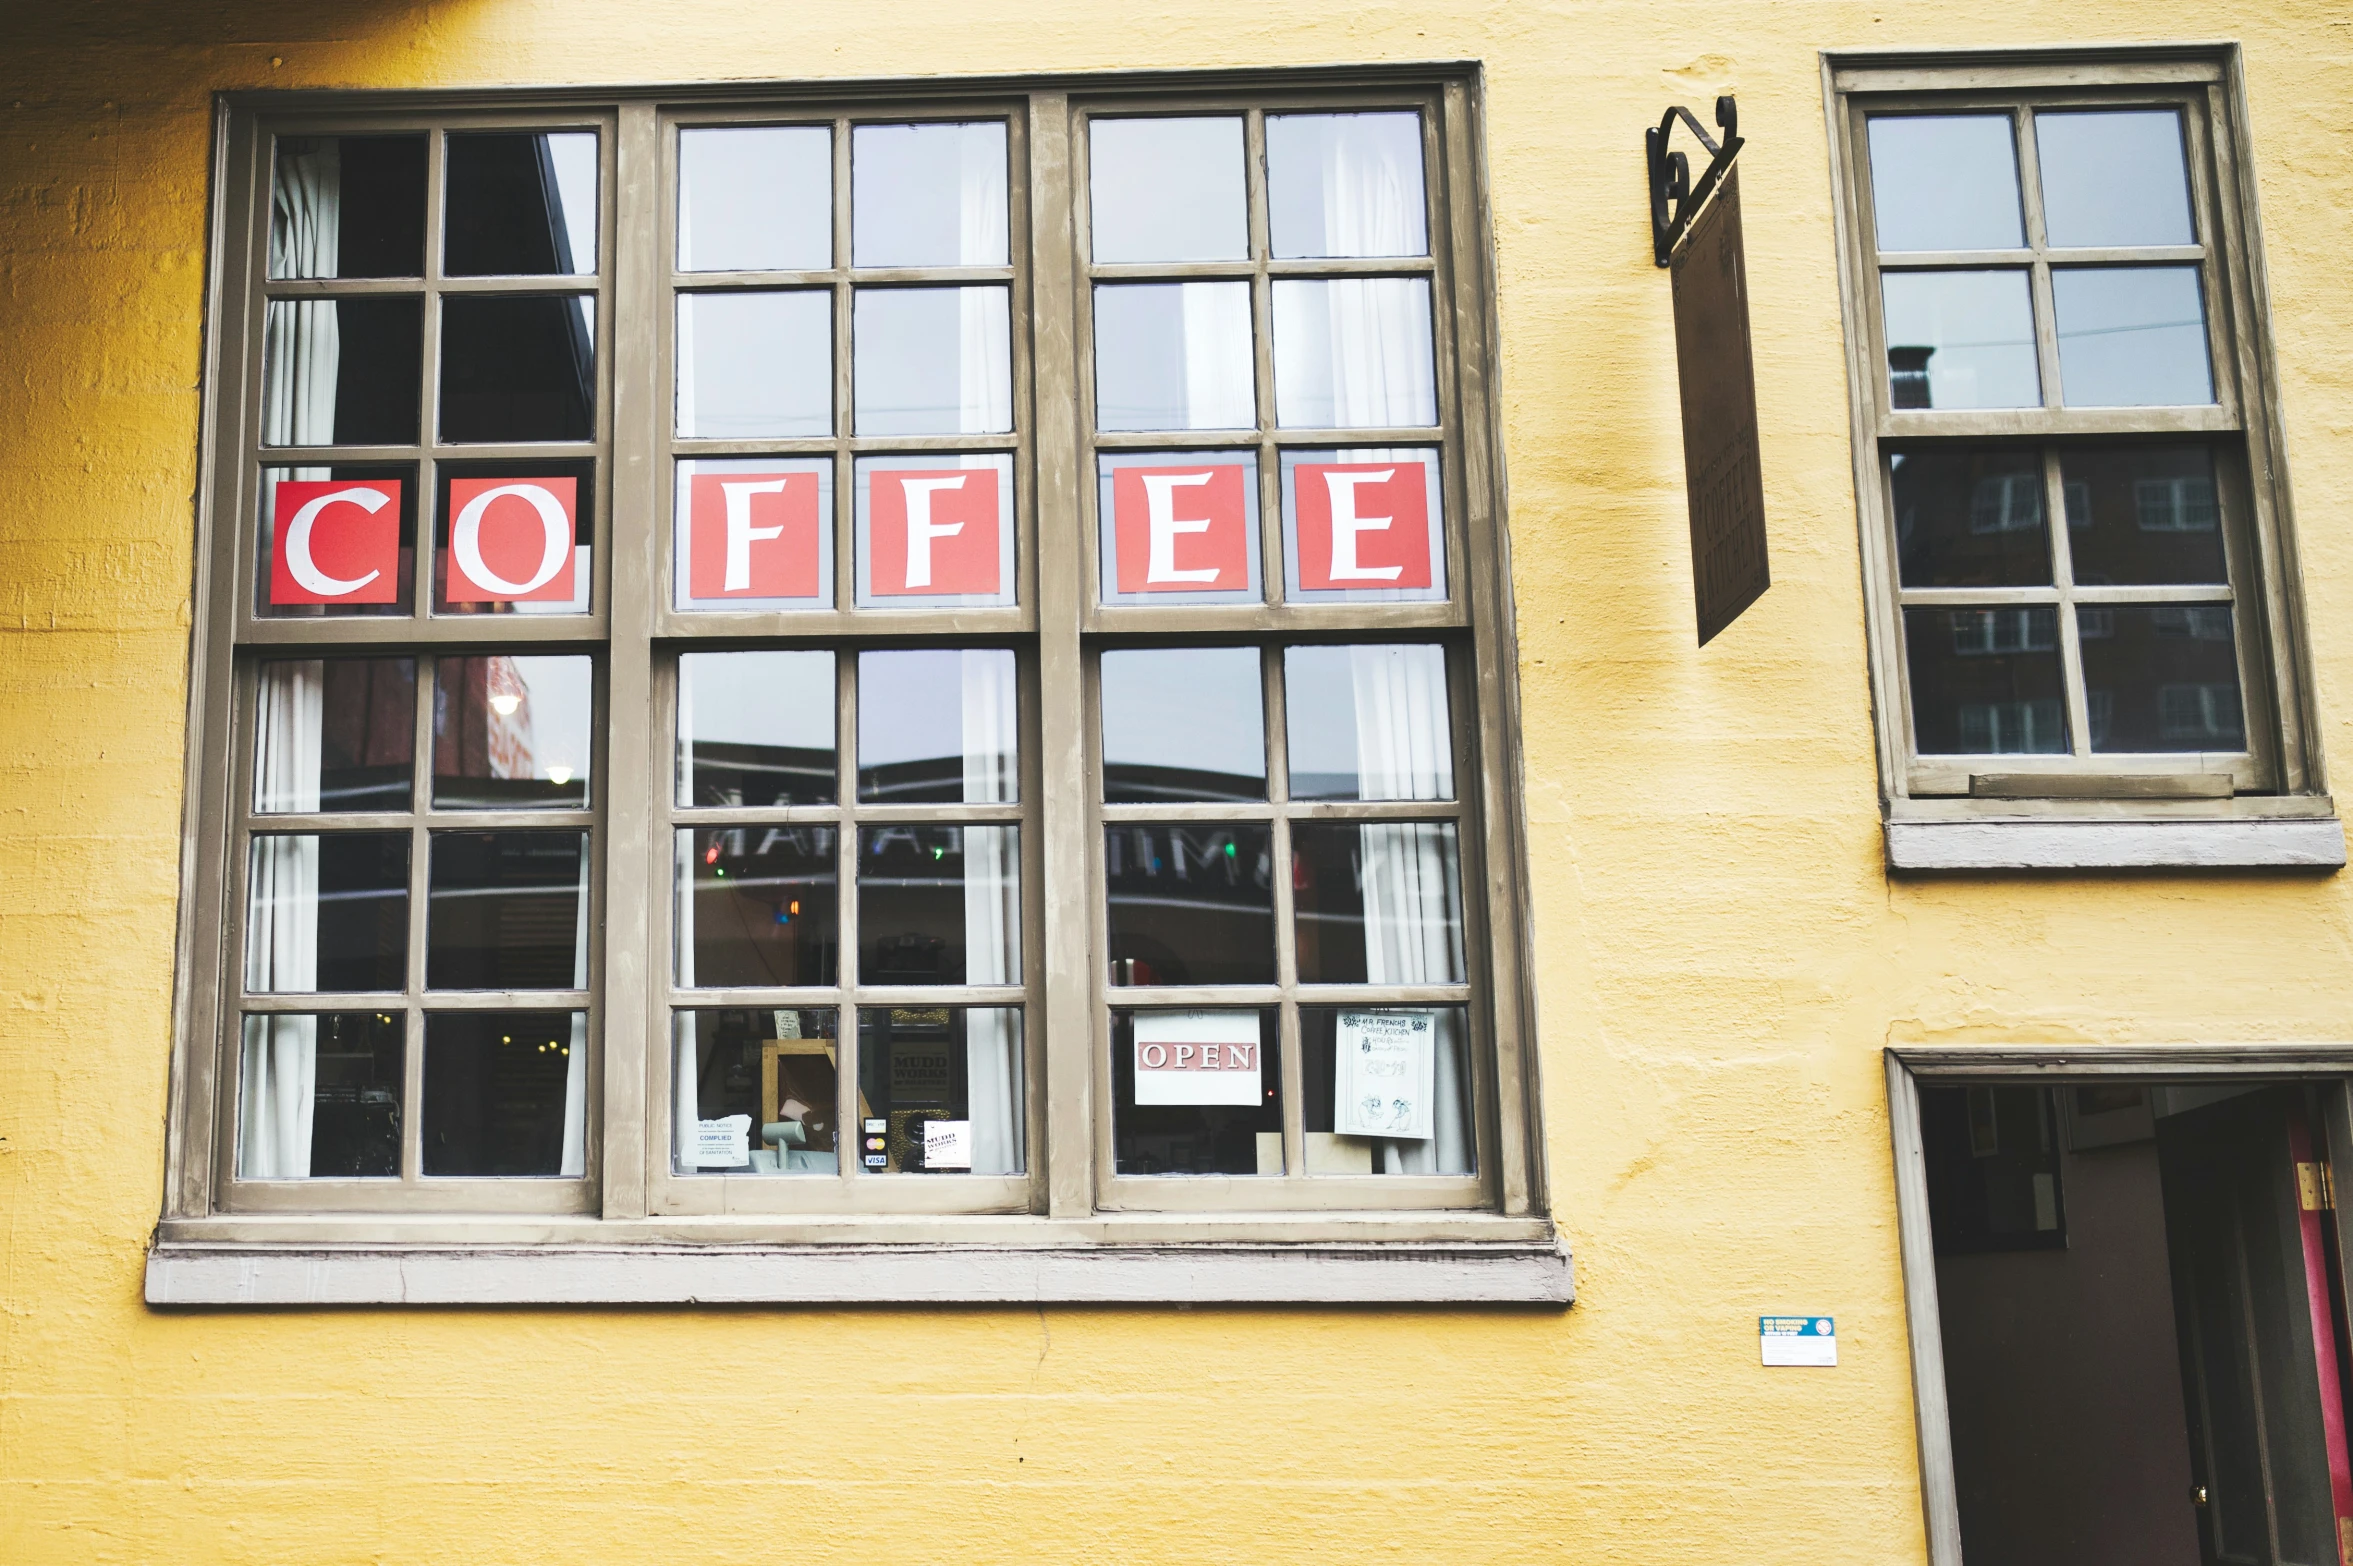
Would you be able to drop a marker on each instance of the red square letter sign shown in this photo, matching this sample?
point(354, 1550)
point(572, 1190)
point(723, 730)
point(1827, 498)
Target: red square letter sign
point(1363, 524)
point(754, 535)
point(510, 540)
point(934, 533)
point(1180, 530)
point(335, 541)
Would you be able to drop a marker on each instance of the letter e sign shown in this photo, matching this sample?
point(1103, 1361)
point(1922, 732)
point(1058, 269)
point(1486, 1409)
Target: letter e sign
point(1363, 524)
point(1180, 530)
point(754, 535)
point(935, 533)
point(335, 541)
point(510, 540)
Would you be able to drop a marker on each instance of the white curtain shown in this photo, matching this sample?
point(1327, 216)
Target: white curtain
point(278, 1080)
point(575, 1162)
point(1356, 351)
point(1218, 375)
point(992, 911)
point(985, 350)
point(302, 348)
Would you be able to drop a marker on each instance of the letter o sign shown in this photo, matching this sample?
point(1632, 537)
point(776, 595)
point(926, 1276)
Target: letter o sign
point(511, 540)
point(335, 541)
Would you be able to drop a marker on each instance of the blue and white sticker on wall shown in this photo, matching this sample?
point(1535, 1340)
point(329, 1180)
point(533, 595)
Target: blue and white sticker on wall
point(1797, 1340)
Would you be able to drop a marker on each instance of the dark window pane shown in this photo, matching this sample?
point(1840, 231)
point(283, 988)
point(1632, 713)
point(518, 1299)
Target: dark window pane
point(348, 206)
point(521, 204)
point(1993, 1169)
point(334, 734)
point(2131, 337)
point(1945, 182)
point(2138, 515)
point(1386, 1092)
point(757, 906)
point(511, 733)
point(939, 905)
point(518, 367)
point(507, 911)
point(339, 544)
point(939, 1090)
point(1191, 903)
point(2114, 178)
point(327, 912)
point(341, 372)
point(1985, 681)
point(1970, 518)
point(1183, 723)
point(757, 1092)
point(1377, 903)
point(938, 726)
point(505, 1092)
point(756, 728)
point(2161, 677)
point(1189, 1121)
point(354, 1100)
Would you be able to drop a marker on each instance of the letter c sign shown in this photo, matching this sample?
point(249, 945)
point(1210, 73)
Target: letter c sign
point(335, 541)
point(511, 540)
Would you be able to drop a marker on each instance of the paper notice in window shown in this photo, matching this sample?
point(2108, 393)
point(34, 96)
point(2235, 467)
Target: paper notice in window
point(947, 1144)
point(1384, 1072)
point(1197, 1057)
point(724, 1143)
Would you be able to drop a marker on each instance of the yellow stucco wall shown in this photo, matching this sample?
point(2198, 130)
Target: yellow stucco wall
point(1720, 956)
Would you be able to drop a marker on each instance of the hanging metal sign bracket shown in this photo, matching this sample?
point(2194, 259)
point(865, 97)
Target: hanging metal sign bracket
point(1674, 200)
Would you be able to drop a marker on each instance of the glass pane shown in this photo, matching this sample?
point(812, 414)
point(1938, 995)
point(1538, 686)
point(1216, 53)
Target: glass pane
point(1970, 517)
point(1985, 681)
point(506, 1093)
point(1173, 356)
point(2114, 178)
point(499, 542)
point(2161, 677)
point(928, 195)
point(939, 905)
point(511, 733)
point(2139, 515)
point(755, 198)
point(1945, 182)
point(755, 1092)
point(2131, 337)
point(342, 372)
point(932, 361)
point(508, 911)
point(1197, 1092)
point(1960, 340)
point(757, 906)
point(1178, 527)
point(1368, 722)
point(938, 726)
point(1363, 526)
point(1387, 1091)
point(1183, 723)
point(518, 367)
point(348, 206)
point(754, 533)
point(318, 1096)
point(336, 541)
point(1346, 185)
point(755, 363)
point(521, 204)
point(756, 728)
point(1191, 903)
point(940, 1090)
point(1377, 903)
point(935, 532)
point(1353, 353)
point(327, 912)
point(335, 734)
point(1167, 190)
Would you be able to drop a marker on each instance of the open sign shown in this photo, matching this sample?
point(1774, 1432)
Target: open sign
point(1198, 1057)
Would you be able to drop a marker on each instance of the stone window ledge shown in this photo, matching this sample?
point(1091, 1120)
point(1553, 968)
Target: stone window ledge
point(2311, 844)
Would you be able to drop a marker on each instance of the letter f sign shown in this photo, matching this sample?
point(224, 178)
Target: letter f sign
point(755, 535)
point(935, 534)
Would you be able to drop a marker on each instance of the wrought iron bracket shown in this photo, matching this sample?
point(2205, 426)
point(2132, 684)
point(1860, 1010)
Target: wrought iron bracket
point(1674, 200)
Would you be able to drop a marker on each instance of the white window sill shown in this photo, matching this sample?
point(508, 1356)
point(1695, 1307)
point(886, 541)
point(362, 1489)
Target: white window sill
point(2250, 844)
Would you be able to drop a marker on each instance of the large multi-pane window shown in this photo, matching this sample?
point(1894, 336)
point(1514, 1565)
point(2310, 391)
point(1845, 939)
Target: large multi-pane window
point(855, 659)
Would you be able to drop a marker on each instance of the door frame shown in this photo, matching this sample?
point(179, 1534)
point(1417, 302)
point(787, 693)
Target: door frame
point(2055, 1065)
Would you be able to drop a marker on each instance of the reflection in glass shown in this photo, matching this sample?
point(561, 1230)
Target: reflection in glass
point(1190, 902)
point(506, 1093)
point(939, 1090)
point(327, 912)
point(932, 361)
point(511, 536)
point(1166, 190)
point(521, 204)
point(403, 476)
point(1960, 340)
point(1945, 182)
point(1970, 517)
point(2143, 515)
point(1173, 356)
point(756, 1092)
point(755, 198)
point(2114, 178)
point(1186, 1126)
point(1353, 353)
point(334, 734)
point(507, 911)
point(518, 367)
point(1985, 681)
point(755, 728)
point(2131, 337)
point(1368, 722)
point(928, 195)
point(318, 1096)
point(757, 906)
point(511, 733)
point(1377, 903)
point(1183, 723)
point(342, 372)
point(1403, 1070)
point(758, 363)
point(1346, 185)
point(348, 206)
point(2161, 677)
point(938, 726)
point(939, 904)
